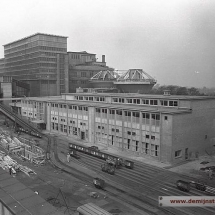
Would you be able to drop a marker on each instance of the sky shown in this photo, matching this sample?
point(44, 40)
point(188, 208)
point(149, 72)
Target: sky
point(172, 40)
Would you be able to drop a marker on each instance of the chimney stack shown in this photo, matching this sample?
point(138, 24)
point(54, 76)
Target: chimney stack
point(103, 58)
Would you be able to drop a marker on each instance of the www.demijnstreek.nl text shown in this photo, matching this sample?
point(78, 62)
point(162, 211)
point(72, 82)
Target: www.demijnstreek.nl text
point(187, 201)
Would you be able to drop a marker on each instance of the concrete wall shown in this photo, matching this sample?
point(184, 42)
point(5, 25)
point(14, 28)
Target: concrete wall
point(34, 88)
point(91, 125)
point(6, 89)
point(166, 138)
point(48, 88)
point(48, 116)
point(195, 131)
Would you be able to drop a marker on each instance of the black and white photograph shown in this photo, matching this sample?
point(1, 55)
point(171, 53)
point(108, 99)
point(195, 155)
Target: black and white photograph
point(107, 107)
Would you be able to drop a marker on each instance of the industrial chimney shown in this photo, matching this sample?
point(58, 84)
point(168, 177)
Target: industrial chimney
point(103, 58)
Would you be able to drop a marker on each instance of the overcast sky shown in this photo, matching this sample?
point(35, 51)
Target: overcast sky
point(172, 40)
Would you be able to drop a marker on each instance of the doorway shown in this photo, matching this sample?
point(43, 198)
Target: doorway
point(82, 135)
point(186, 154)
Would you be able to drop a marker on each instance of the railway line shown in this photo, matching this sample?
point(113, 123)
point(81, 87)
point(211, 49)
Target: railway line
point(147, 182)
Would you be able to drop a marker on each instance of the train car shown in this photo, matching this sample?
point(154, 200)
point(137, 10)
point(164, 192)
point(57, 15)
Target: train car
point(198, 185)
point(183, 185)
point(129, 164)
point(94, 151)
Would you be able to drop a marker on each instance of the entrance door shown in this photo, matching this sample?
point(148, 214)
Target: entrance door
point(83, 135)
point(186, 154)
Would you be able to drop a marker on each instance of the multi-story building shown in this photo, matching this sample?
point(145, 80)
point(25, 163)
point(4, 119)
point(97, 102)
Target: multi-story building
point(83, 66)
point(2, 65)
point(39, 60)
point(42, 61)
point(166, 127)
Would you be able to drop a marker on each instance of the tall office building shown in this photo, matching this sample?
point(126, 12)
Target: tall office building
point(41, 61)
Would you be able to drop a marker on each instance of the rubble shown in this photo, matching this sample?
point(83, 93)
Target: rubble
point(6, 162)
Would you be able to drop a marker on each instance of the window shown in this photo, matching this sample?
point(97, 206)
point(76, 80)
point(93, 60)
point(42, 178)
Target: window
point(136, 114)
point(178, 154)
point(166, 117)
point(156, 150)
point(147, 136)
point(121, 100)
point(98, 110)
point(173, 103)
point(129, 133)
point(83, 74)
point(137, 145)
point(129, 143)
point(127, 113)
point(145, 101)
point(119, 112)
point(129, 100)
point(153, 102)
point(146, 115)
point(115, 99)
point(112, 111)
point(133, 133)
point(153, 137)
point(146, 148)
point(164, 103)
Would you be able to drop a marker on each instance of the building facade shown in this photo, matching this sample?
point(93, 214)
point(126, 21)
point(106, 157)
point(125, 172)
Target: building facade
point(167, 128)
point(40, 61)
point(82, 67)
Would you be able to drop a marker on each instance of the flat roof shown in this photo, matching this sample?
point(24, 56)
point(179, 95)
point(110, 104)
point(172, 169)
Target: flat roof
point(148, 96)
point(21, 200)
point(33, 36)
point(131, 107)
point(82, 52)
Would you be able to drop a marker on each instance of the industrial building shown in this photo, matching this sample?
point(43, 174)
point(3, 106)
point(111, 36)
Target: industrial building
point(165, 127)
point(42, 61)
point(38, 60)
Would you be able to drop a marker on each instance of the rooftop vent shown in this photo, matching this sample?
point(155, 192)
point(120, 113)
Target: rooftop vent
point(166, 92)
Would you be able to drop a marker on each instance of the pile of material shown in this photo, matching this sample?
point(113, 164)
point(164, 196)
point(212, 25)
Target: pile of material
point(6, 162)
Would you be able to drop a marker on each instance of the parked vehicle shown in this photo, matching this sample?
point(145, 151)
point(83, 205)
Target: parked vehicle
point(99, 183)
point(183, 185)
point(108, 168)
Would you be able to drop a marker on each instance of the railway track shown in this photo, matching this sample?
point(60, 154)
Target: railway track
point(146, 182)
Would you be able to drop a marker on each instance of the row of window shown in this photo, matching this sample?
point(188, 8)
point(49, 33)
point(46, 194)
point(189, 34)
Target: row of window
point(71, 107)
point(90, 98)
point(155, 102)
point(171, 103)
point(129, 113)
